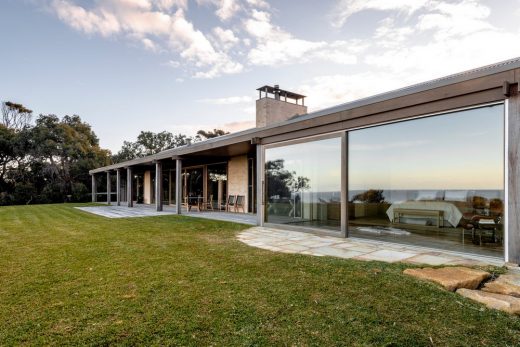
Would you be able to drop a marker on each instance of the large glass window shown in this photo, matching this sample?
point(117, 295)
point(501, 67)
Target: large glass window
point(193, 184)
point(217, 185)
point(435, 181)
point(303, 184)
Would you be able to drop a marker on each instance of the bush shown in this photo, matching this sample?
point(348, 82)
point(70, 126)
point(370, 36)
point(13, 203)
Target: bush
point(24, 194)
point(80, 193)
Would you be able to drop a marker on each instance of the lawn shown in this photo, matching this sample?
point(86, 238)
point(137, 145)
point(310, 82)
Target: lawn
point(68, 277)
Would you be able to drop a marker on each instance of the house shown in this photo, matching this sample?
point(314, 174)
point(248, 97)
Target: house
point(435, 164)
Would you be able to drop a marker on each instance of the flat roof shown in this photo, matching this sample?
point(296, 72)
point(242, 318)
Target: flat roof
point(247, 135)
point(275, 90)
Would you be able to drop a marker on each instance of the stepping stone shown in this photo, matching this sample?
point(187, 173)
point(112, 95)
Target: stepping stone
point(451, 278)
point(505, 284)
point(495, 301)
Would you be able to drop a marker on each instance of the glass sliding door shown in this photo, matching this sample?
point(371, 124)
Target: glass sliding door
point(303, 184)
point(217, 185)
point(193, 182)
point(436, 181)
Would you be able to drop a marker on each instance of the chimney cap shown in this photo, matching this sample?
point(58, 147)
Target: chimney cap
point(276, 90)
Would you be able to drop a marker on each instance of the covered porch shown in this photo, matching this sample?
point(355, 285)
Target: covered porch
point(204, 180)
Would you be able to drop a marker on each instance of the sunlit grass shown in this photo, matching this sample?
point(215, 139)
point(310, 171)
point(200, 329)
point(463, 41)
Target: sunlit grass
point(68, 277)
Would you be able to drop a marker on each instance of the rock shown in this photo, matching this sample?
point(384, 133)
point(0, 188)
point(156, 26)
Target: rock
point(495, 301)
point(505, 284)
point(451, 278)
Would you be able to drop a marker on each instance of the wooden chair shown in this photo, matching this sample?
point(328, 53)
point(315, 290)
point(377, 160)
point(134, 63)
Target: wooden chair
point(194, 202)
point(230, 203)
point(240, 203)
point(209, 203)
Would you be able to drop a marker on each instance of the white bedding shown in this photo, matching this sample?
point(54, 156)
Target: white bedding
point(451, 212)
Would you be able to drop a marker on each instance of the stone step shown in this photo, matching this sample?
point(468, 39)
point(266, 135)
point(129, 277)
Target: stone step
point(451, 278)
point(495, 301)
point(508, 284)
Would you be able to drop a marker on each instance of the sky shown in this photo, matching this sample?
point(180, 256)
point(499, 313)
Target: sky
point(180, 65)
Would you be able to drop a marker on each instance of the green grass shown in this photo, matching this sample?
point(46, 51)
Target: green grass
point(68, 277)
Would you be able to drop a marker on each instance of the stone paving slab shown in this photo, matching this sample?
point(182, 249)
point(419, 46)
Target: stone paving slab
point(122, 211)
point(114, 211)
point(451, 278)
point(501, 302)
point(287, 241)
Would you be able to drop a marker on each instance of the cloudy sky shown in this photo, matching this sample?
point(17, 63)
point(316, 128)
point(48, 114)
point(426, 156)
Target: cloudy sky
point(183, 65)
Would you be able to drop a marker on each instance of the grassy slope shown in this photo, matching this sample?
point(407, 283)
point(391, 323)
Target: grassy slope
point(67, 277)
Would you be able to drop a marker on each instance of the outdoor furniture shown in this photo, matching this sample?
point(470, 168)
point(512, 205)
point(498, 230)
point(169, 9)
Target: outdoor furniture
point(195, 202)
point(482, 224)
point(400, 212)
point(240, 203)
point(230, 203)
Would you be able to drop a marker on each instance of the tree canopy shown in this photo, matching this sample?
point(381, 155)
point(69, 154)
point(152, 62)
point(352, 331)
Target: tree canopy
point(148, 143)
point(47, 161)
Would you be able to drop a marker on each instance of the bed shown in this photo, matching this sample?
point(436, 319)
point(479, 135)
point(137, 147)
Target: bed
point(450, 212)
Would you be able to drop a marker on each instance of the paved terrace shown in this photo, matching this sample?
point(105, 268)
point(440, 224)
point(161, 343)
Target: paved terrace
point(285, 241)
point(360, 249)
point(114, 211)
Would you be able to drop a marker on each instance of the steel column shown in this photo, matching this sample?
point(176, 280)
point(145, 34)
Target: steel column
point(129, 191)
point(178, 185)
point(109, 188)
point(158, 186)
point(94, 188)
point(118, 187)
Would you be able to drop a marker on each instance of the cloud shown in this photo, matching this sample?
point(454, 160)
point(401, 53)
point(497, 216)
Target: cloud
point(276, 46)
point(237, 125)
point(154, 25)
point(231, 100)
point(227, 9)
point(225, 37)
point(346, 8)
point(416, 40)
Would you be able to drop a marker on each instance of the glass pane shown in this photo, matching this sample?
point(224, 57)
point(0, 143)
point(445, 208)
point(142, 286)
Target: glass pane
point(166, 186)
point(193, 183)
point(304, 184)
point(435, 182)
point(217, 185)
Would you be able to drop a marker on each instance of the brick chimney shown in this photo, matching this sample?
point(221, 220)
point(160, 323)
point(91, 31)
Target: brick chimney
point(275, 105)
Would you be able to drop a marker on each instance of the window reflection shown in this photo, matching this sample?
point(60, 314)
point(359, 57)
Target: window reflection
point(303, 184)
point(435, 182)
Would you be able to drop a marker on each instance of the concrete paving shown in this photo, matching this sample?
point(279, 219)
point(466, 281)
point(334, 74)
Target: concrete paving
point(286, 241)
point(141, 210)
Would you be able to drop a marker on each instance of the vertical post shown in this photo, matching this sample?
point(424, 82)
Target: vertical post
point(158, 186)
point(118, 187)
point(109, 189)
point(204, 185)
point(129, 198)
point(344, 184)
point(178, 185)
point(94, 188)
point(513, 173)
point(260, 185)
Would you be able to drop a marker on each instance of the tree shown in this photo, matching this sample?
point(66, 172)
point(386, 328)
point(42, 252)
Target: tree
point(15, 116)
point(204, 135)
point(149, 143)
point(370, 196)
point(283, 182)
point(48, 161)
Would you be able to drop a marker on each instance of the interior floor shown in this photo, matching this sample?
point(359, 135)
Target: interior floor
point(445, 238)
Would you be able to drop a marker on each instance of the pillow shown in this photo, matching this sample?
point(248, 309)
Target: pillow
point(456, 195)
point(427, 195)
